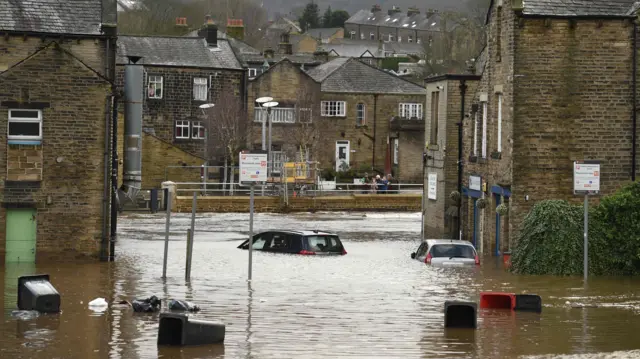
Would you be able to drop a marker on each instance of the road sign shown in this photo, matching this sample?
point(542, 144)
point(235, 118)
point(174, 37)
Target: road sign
point(586, 177)
point(253, 167)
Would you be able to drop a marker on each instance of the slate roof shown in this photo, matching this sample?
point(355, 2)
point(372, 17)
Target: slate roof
point(323, 33)
point(177, 51)
point(398, 20)
point(298, 59)
point(348, 75)
point(80, 17)
point(356, 48)
point(577, 7)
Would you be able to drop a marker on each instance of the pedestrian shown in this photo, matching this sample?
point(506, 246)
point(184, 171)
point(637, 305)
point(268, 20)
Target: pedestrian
point(374, 185)
point(389, 184)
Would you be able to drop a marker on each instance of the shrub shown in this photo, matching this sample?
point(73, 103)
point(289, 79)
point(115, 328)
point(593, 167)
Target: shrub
point(551, 238)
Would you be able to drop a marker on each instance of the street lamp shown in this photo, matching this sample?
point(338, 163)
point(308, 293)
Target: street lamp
point(262, 101)
point(205, 170)
point(268, 106)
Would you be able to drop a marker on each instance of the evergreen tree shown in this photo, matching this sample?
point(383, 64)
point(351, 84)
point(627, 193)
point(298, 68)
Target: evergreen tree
point(310, 18)
point(327, 19)
point(338, 18)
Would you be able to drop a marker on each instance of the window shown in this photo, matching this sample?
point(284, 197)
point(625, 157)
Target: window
point(410, 38)
point(334, 108)
point(198, 130)
point(361, 115)
point(305, 115)
point(399, 38)
point(419, 41)
point(277, 161)
point(362, 36)
point(435, 102)
point(182, 129)
point(499, 122)
point(155, 86)
point(280, 242)
point(484, 129)
point(253, 73)
point(452, 250)
point(372, 36)
point(353, 35)
point(411, 110)
point(324, 244)
point(390, 37)
point(25, 125)
point(258, 243)
point(475, 134)
point(396, 151)
point(278, 115)
point(200, 89)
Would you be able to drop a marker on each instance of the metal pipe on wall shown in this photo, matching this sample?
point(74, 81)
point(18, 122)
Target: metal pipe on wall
point(104, 242)
point(634, 116)
point(114, 178)
point(463, 92)
point(133, 83)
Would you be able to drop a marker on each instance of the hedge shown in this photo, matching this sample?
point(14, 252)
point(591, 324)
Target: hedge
point(551, 239)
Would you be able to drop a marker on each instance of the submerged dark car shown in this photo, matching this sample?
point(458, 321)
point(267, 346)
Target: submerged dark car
point(297, 242)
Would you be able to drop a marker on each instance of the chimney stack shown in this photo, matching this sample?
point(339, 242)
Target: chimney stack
point(235, 29)
point(210, 31)
point(376, 8)
point(413, 11)
point(321, 55)
point(394, 10)
point(268, 53)
point(285, 47)
point(430, 13)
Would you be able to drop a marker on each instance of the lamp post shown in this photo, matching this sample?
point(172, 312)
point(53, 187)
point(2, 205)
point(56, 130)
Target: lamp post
point(205, 171)
point(261, 101)
point(268, 106)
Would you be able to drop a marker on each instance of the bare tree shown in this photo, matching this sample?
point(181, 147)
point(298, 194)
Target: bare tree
point(227, 128)
point(306, 131)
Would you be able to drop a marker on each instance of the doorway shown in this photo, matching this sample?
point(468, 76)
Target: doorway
point(21, 229)
point(342, 155)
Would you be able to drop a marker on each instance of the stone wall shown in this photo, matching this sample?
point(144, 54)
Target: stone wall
point(574, 102)
point(68, 197)
point(388, 202)
point(177, 103)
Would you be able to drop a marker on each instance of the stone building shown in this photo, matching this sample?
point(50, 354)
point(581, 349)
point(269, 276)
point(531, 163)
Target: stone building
point(182, 74)
point(56, 96)
point(557, 86)
point(340, 114)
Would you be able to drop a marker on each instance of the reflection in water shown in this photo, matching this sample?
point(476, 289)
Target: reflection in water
point(374, 302)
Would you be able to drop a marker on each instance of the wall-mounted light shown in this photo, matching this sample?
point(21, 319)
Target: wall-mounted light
point(440, 88)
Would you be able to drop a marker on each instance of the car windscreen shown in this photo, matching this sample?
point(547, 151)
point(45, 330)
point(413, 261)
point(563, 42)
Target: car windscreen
point(452, 251)
point(324, 244)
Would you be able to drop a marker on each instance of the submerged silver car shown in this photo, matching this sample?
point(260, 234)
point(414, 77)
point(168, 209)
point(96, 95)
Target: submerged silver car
point(446, 253)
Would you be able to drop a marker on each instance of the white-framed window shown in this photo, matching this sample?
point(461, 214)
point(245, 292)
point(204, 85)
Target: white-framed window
point(399, 38)
point(362, 36)
point(183, 129)
point(396, 151)
point(390, 37)
point(484, 129)
point(499, 122)
point(410, 38)
point(25, 125)
point(253, 73)
point(305, 115)
point(197, 130)
point(333, 108)
point(361, 114)
point(200, 89)
point(475, 134)
point(411, 110)
point(372, 36)
point(353, 35)
point(155, 86)
point(278, 115)
point(435, 117)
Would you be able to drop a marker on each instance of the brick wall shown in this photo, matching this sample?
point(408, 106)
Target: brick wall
point(24, 162)
point(177, 103)
point(69, 196)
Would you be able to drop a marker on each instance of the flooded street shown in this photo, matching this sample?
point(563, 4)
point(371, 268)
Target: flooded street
point(374, 302)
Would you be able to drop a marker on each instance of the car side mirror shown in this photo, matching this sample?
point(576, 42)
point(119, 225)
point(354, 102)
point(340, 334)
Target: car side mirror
point(413, 255)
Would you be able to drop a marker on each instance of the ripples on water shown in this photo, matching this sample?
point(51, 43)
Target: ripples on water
point(375, 302)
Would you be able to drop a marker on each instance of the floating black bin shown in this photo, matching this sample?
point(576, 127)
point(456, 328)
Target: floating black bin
point(528, 303)
point(179, 329)
point(460, 314)
point(35, 292)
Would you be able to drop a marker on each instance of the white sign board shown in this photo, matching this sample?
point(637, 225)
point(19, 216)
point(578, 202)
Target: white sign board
point(433, 186)
point(253, 167)
point(475, 183)
point(586, 177)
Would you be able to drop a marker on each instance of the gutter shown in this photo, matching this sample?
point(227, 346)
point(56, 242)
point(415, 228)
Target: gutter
point(634, 115)
point(375, 116)
point(577, 17)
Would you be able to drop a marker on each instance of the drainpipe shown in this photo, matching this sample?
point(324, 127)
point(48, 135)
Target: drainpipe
point(104, 244)
point(114, 177)
point(375, 115)
point(463, 91)
point(634, 96)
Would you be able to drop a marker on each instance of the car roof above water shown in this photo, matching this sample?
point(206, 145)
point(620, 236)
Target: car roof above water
point(432, 242)
point(301, 232)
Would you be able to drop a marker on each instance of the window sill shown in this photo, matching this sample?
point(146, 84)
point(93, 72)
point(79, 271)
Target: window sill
point(496, 155)
point(473, 159)
point(25, 142)
point(154, 98)
point(364, 127)
point(187, 140)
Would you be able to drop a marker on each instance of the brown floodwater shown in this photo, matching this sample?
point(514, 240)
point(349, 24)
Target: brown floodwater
point(375, 302)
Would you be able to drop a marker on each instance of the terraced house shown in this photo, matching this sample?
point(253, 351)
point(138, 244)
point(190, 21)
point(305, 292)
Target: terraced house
point(557, 86)
point(181, 75)
point(57, 68)
point(343, 114)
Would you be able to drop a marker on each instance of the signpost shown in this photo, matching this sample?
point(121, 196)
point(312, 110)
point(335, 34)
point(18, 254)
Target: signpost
point(586, 181)
point(253, 169)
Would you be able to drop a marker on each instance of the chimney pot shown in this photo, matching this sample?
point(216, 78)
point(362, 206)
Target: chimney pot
point(181, 21)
